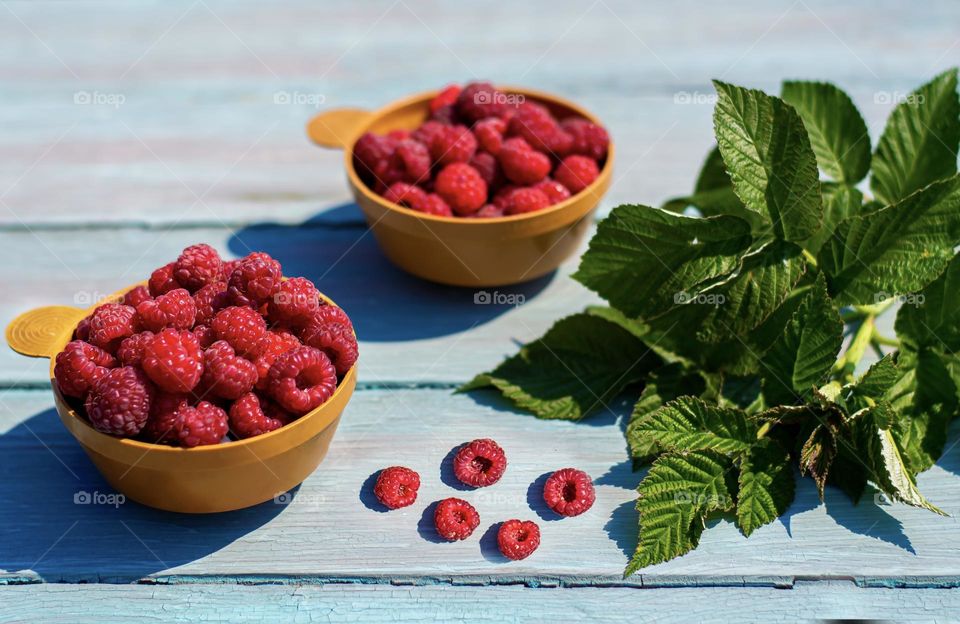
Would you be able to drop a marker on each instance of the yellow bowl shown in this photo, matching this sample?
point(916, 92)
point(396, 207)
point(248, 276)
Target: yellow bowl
point(458, 251)
point(205, 479)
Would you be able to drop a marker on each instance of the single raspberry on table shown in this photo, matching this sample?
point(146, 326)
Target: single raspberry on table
point(461, 186)
point(201, 425)
point(589, 139)
point(489, 211)
point(523, 200)
point(480, 463)
point(554, 191)
point(119, 402)
point(173, 360)
point(110, 324)
point(79, 366)
point(540, 129)
point(576, 173)
point(255, 279)
point(489, 133)
point(162, 280)
point(295, 303)
point(163, 423)
point(455, 519)
point(521, 163)
point(175, 308)
point(136, 295)
point(446, 97)
point(252, 416)
point(452, 144)
point(197, 266)
point(225, 374)
point(412, 159)
point(336, 340)
point(270, 347)
point(481, 99)
point(209, 300)
point(241, 326)
point(397, 487)
point(302, 379)
point(517, 539)
point(569, 492)
point(130, 351)
point(489, 169)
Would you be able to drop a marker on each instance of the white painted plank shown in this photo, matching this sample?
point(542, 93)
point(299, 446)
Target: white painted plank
point(332, 530)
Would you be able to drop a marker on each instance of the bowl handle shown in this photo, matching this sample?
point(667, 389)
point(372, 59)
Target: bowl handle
point(337, 128)
point(38, 333)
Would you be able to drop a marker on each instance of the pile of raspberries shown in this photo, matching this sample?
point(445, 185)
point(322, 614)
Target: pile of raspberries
point(568, 492)
point(483, 153)
point(209, 348)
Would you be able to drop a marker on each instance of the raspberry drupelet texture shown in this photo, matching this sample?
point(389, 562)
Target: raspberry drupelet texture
point(226, 374)
point(336, 340)
point(119, 402)
point(173, 360)
point(538, 127)
point(412, 159)
point(227, 270)
point(255, 280)
point(455, 519)
point(110, 324)
point(136, 295)
point(452, 144)
point(162, 280)
point(589, 139)
point(569, 492)
point(252, 416)
point(209, 300)
point(433, 204)
point(397, 487)
point(489, 133)
point(197, 266)
point(371, 151)
point(521, 163)
point(130, 351)
point(270, 347)
point(204, 335)
point(554, 191)
point(576, 173)
point(527, 199)
point(330, 314)
point(79, 366)
point(295, 303)
point(302, 379)
point(405, 194)
point(175, 308)
point(461, 186)
point(517, 539)
point(480, 463)
point(201, 425)
point(163, 423)
point(241, 326)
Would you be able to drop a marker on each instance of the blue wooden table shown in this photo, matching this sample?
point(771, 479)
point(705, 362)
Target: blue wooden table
point(131, 130)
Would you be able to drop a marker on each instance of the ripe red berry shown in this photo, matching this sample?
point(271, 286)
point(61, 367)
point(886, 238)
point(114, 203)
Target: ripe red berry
point(554, 191)
point(79, 366)
point(461, 186)
point(204, 335)
point(452, 144)
point(136, 295)
point(209, 300)
point(446, 97)
point(162, 280)
point(540, 129)
point(302, 379)
point(110, 324)
point(119, 402)
point(226, 374)
point(576, 173)
point(569, 492)
point(271, 345)
point(397, 487)
point(518, 539)
point(589, 139)
point(489, 211)
point(252, 416)
point(489, 133)
point(295, 303)
point(336, 340)
point(175, 308)
point(521, 163)
point(527, 199)
point(255, 279)
point(481, 99)
point(405, 194)
point(455, 519)
point(433, 204)
point(489, 169)
point(173, 360)
point(130, 351)
point(242, 327)
point(201, 425)
point(413, 160)
point(370, 151)
point(480, 463)
point(163, 423)
point(197, 266)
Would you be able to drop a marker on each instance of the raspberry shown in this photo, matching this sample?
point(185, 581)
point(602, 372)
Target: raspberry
point(576, 173)
point(479, 100)
point(489, 133)
point(209, 300)
point(523, 200)
point(518, 539)
point(295, 303)
point(488, 168)
point(412, 159)
point(242, 327)
point(462, 188)
point(480, 463)
point(569, 492)
point(433, 204)
point(331, 314)
point(197, 266)
point(162, 280)
point(255, 280)
point(173, 360)
point(398, 135)
point(250, 416)
point(302, 379)
point(226, 374)
point(397, 487)
point(336, 340)
point(174, 309)
point(82, 332)
point(136, 295)
point(79, 366)
point(110, 324)
point(537, 126)
point(270, 346)
point(130, 351)
point(589, 139)
point(427, 132)
point(201, 425)
point(455, 519)
point(405, 194)
point(489, 211)
point(447, 115)
point(521, 163)
point(502, 196)
point(554, 191)
point(163, 421)
point(370, 151)
point(119, 402)
point(452, 144)
point(204, 335)
point(447, 97)
point(227, 270)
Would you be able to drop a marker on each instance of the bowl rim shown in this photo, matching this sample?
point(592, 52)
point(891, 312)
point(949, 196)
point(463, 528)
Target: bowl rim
point(345, 385)
point(424, 97)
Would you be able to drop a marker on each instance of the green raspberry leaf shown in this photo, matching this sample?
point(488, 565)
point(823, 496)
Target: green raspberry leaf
point(674, 500)
point(919, 144)
point(878, 380)
point(640, 257)
point(713, 173)
point(838, 134)
point(803, 354)
point(766, 486)
point(818, 453)
point(895, 250)
point(577, 367)
point(890, 473)
point(839, 202)
point(690, 424)
point(931, 318)
point(768, 155)
point(663, 385)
